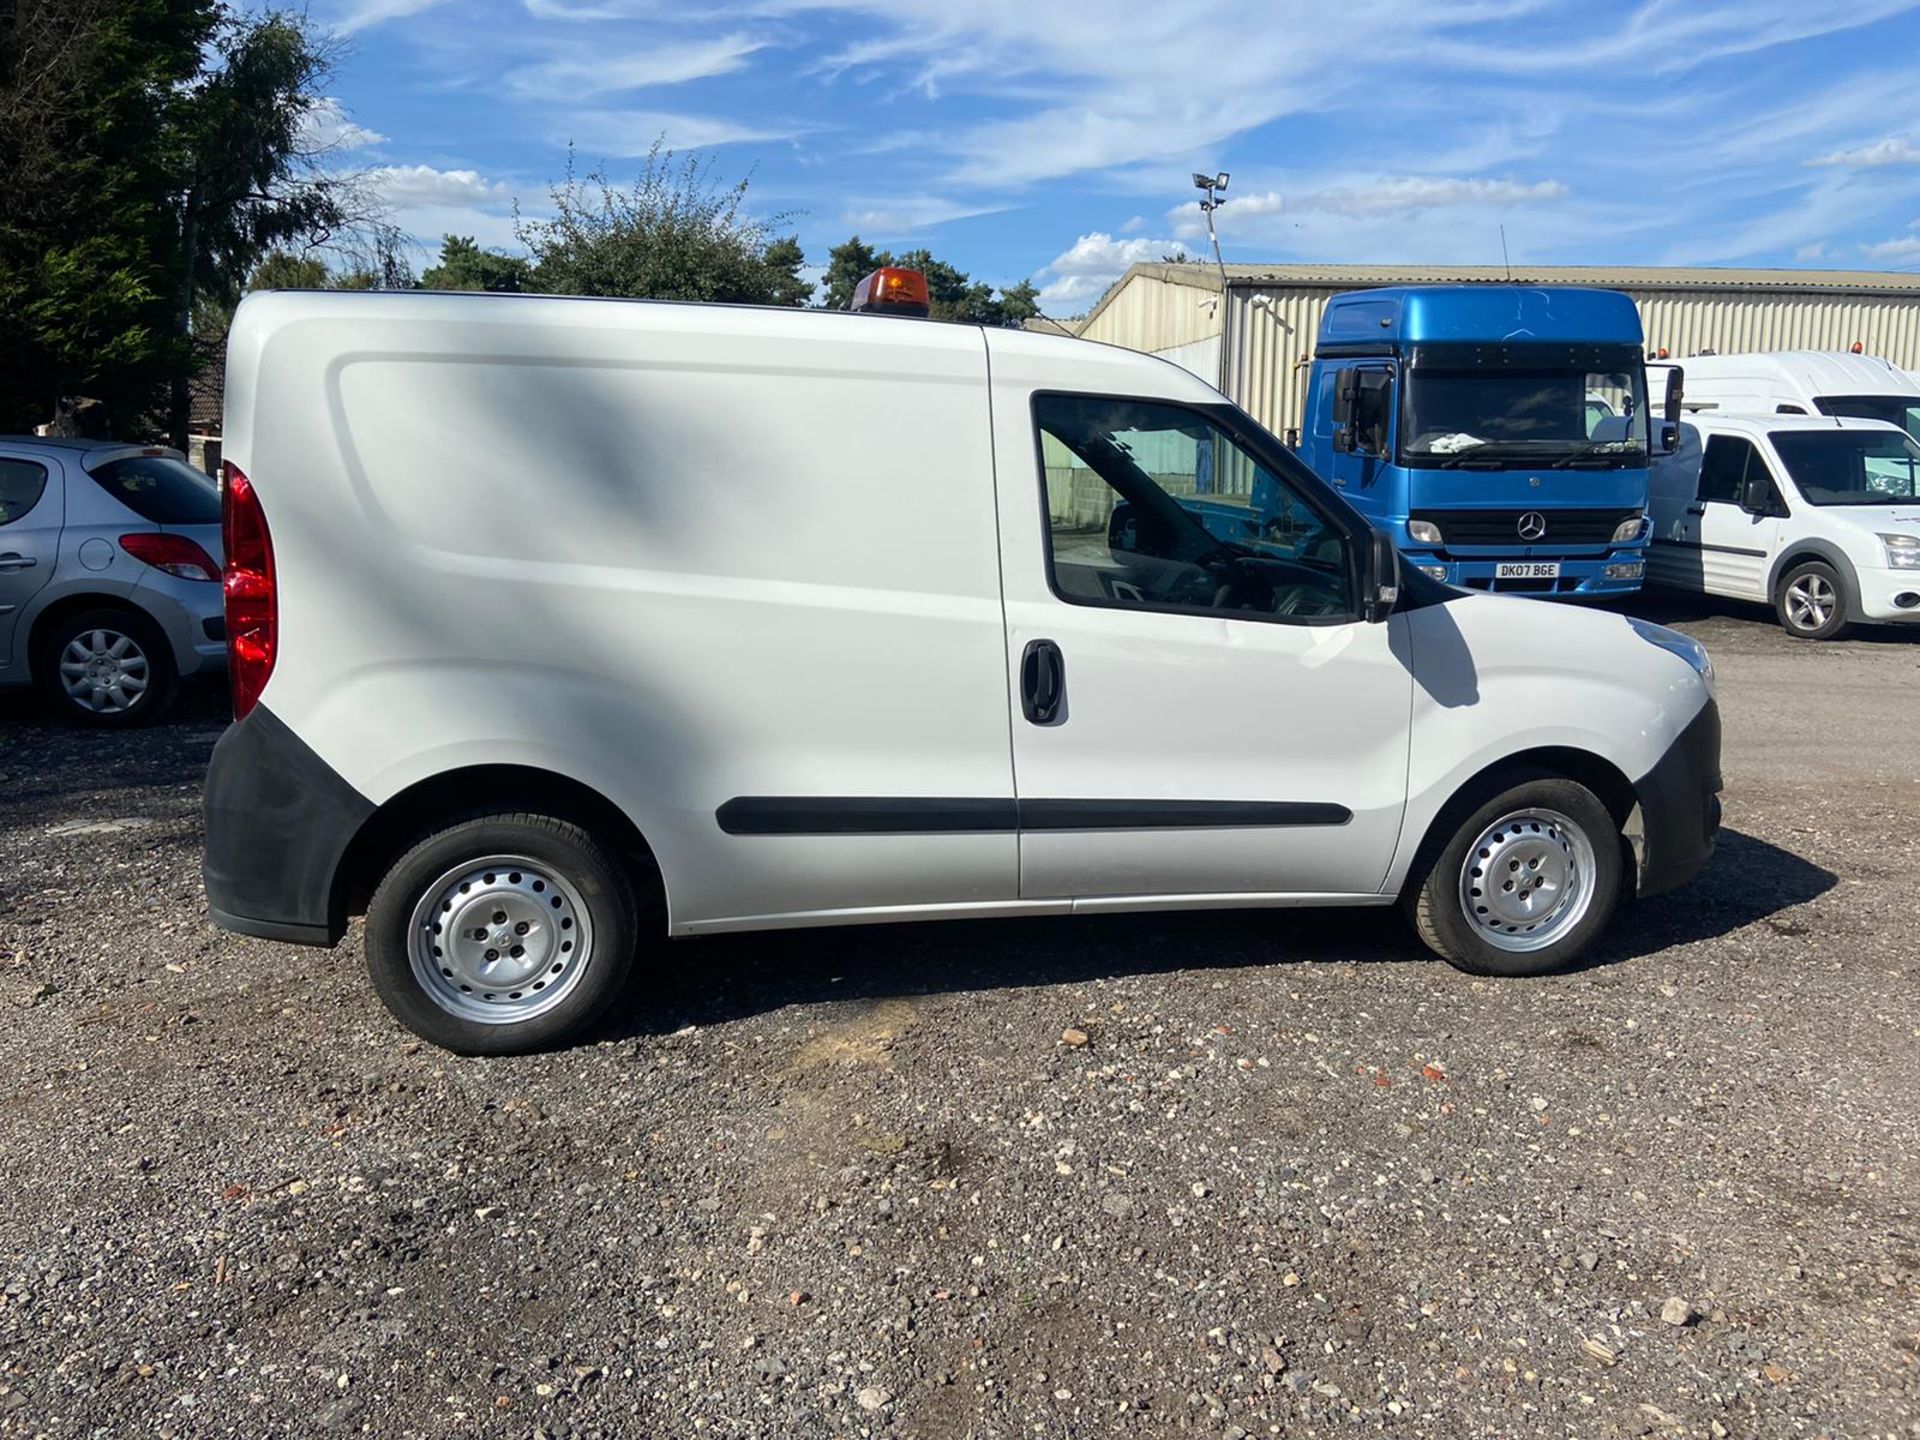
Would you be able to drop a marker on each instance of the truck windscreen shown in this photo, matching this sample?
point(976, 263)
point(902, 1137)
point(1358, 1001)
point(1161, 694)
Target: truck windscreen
point(1488, 417)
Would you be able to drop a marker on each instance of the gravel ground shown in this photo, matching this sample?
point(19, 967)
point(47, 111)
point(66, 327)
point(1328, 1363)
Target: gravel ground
point(1297, 1180)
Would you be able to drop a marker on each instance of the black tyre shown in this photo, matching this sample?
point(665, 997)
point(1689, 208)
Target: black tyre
point(109, 666)
point(502, 934)
point(1524, 880)
point(1813, 602)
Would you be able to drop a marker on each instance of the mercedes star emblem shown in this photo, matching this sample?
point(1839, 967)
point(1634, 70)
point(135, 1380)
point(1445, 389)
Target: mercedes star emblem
point(1532, 525)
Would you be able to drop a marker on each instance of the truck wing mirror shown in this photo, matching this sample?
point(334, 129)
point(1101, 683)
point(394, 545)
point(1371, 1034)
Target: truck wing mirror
point(1346, 396)
point(1676, 392)
point(1380, 577)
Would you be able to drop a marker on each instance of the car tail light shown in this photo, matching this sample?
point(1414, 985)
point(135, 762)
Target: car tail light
point(253, 614)
point(175, 554)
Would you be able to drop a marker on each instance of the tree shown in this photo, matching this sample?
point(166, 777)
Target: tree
point(952, 294)
point(282, 270)
point(246, 182)
point(677, 234)
point(465, 266)
point(151, 153)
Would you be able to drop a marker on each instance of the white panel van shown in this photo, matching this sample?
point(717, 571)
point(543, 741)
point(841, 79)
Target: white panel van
point(1803, 382)
point(561, 627)
point(1818, 518)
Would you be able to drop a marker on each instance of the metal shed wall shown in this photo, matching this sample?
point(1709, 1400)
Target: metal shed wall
point(1151, 313)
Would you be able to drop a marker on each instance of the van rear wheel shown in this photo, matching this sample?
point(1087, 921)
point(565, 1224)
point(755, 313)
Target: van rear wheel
point(1524, 882)
point(501, 934)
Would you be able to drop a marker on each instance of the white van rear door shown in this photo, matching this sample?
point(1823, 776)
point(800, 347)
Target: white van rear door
point(1184, 726)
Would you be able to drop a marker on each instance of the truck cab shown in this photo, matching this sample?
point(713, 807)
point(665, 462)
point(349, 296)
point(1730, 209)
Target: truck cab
point(1499, 433)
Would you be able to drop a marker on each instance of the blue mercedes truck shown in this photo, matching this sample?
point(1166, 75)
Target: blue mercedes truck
point(1500, 433)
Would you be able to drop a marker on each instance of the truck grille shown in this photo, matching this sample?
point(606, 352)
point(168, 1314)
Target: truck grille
point(1503, 527)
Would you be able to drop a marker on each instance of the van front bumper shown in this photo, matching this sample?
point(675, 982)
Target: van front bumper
point(279, 821)
point(1881, 592)
point(1677, 816)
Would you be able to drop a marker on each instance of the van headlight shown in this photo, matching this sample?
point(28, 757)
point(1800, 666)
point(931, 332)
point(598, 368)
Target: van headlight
point(1629, 529)
point(1674, 643)
point(1903, 551)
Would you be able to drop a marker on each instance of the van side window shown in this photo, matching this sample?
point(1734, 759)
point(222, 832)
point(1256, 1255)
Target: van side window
point(1154, 506)
point(21, 484)
point(1724, 467)
point(1789, 410)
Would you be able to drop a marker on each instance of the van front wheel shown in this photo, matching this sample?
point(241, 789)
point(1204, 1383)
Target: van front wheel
point(1525, 882)
point(1813, 602)
point(501, 934)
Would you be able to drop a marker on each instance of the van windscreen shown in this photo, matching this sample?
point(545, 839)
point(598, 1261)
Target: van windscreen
point(1850, 467)
point(1901, 410)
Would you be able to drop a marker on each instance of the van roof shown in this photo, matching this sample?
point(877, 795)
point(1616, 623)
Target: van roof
point(1716, 423)
point(1809, 372)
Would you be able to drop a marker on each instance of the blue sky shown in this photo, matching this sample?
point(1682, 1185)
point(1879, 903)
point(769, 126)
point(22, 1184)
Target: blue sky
point(1055, 138)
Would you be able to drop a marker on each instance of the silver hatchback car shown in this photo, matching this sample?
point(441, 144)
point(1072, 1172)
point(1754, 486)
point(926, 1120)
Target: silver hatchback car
point(109, 575)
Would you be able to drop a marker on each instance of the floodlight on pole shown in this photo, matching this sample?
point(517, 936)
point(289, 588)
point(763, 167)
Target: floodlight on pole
point(1212, 185)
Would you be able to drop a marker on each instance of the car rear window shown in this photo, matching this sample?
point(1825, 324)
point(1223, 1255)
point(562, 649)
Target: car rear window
point(161, 489)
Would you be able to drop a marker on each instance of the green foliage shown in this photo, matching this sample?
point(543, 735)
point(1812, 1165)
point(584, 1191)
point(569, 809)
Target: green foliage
point(677, 234)
point(465, 266)
point(952, 294)
point(280, 270)
point(149, 156)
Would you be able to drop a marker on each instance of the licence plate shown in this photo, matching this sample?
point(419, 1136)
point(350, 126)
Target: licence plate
point(1527, 570)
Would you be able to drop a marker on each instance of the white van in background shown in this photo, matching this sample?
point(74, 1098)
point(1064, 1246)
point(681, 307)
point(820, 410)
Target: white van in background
point(1803, 382)
point(1818, 518)
point(563, 626)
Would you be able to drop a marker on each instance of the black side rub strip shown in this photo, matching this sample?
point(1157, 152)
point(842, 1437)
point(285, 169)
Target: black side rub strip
point(839, 815)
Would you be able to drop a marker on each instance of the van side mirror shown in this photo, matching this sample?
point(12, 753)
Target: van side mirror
point(1756, 494)
point(1379, 578)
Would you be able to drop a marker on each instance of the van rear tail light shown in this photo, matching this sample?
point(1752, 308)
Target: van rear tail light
point(175, 554)
point(253, 613)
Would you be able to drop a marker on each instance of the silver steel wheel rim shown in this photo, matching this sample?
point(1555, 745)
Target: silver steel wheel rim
point(499, 940)
point(104, 671)
point(1527, 880)
point(1810, 602)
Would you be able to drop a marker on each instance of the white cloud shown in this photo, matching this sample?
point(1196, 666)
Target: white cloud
point(1410, 194)
point(591, 72)
point(327, 127)
point(886, 217)
point(1134, 225)
point(625, 133)
point(405, 186)
point(364, 14)
point(1905, 247)
point(1894, 150)
point(1078, 276)
point(1190, 221)
point(1818, 250)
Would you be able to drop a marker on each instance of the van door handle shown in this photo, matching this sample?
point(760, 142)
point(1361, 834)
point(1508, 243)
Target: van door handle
point(1696, 509)
point(14, 560)
point(1043, 681)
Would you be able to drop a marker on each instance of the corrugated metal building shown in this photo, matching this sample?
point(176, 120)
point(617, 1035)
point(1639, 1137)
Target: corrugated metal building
point(1256, 347)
